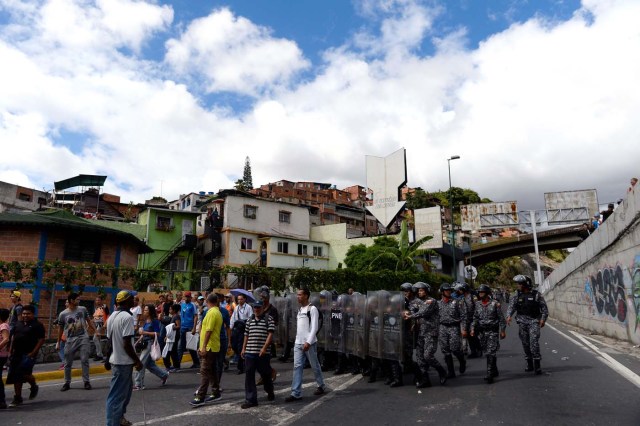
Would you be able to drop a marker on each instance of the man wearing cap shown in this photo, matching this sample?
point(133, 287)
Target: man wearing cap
point(188, 312)
point(123, 359)
point(258, 335)
point(269, 309)
point(606, 213)
point(74, 323)
point(16, 310)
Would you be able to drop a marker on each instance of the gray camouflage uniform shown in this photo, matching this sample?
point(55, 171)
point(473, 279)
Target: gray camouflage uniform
point(426, 314)
point(531, 309)
point(488, 322)
point(453, 319)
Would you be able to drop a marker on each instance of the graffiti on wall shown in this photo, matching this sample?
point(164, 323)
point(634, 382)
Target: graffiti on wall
point(635, 289)
point(606, 290)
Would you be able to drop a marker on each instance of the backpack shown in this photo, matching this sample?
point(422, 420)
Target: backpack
point(320, 317)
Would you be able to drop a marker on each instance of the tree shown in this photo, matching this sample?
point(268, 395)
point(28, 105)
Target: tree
point(419, 199)
point(359, 257)
point(246, 176)
point(240, 185)
point(403, 254)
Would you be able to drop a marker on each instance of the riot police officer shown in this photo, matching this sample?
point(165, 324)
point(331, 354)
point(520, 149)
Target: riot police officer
point(488, 321)
point(469, 303)
point(426, 312)
point(452, 328)
point(408, 342)
point(532, 313)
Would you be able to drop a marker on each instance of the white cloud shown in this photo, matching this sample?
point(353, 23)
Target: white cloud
point(234, 54)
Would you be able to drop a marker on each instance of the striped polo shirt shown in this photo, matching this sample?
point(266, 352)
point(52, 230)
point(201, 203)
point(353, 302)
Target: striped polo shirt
point(257, 331)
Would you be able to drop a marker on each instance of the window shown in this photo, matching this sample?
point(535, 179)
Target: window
point(302, 249)
point(250, 211)
point(24, 197)
point(283, 247)
point(285, 217)
point(178, 264)
point(164, 223)
point(246, 244)
point(317, 251)
point(82, 250)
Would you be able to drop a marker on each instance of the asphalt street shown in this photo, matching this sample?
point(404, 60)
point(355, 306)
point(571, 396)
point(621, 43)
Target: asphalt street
point(587, 380)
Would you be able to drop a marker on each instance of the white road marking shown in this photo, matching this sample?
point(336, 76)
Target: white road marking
point(265, 410)
point(605, 358)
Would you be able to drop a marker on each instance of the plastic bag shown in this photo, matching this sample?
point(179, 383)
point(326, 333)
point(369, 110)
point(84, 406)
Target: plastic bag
point(155, 352)
point(192, 341)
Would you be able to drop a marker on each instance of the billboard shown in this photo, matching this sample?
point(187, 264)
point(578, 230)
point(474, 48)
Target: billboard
point(385, 177)
point(572, 200)
point(428, 222)
point(489, 215)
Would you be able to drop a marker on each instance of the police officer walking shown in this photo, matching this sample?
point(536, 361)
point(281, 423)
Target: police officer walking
point(532, 312)
point(425, 310)
point(488, 321)
point(453, 320)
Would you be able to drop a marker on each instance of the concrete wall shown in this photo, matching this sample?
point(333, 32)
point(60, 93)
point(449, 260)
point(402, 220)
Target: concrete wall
point(598, 286)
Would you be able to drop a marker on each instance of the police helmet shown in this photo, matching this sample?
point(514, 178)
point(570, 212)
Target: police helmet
point(484, 288)
point(406, 287)
point(445, 287)
point(458, 287)
point(417, 286)
point(523, 280)
point(397, 298)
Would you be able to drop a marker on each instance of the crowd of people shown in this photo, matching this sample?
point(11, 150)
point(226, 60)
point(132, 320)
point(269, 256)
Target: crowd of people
point(393, 341)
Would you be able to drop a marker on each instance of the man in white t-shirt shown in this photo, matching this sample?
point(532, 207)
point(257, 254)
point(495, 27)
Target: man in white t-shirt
point(306, 345)
point(136, 311)
point(123, 359)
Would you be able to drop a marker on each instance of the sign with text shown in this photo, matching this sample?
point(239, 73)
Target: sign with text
point(385, 177)
point(428, 222)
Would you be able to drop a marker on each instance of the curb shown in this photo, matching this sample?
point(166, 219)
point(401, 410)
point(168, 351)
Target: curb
point(44, 376)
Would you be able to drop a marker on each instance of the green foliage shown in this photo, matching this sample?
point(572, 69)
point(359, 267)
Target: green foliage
point(419, 199)
point(240, 185)
point(460, 196)
point(360, 257)
point(246, 176)
point(557, 255)
point(500, 273)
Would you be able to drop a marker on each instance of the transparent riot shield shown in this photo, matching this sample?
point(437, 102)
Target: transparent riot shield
point(282, 328)
point(292, 317)
point(349, 318)
point(361, 343)
point(373, 325)
point(338, 323)
point(392, 304)
point(324, 305)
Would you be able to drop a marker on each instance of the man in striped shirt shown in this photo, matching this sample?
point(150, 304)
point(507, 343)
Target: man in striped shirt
point(258, 335)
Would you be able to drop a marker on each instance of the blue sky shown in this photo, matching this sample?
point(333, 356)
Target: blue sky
point(180, 92)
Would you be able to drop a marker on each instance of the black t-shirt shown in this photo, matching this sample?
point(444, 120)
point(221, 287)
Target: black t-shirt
point(26, 336)
point(273, 313)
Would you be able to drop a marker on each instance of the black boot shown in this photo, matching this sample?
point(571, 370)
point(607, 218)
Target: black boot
point(373, 374)
point(396, 374)
point(387, 371)
point(462, 361)
point(529, 365)
point(424, 381)
point(536, 364)
point(489, 377)
point(442, 373)
point(451, 372)
point(494, 366)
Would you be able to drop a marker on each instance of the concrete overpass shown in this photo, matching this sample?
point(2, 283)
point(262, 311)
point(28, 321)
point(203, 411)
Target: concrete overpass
point(559, 238)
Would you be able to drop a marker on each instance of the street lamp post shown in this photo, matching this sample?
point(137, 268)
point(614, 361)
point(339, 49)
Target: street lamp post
point(453, 231)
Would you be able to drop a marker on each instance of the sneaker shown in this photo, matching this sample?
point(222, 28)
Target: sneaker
point(197, 402)
point(65, 387)
point(292, 398)
point(34, 391)
point(319, 391)
point(248, 405)
point(61, 367)
point(271, 396)
point(87, 386)
point(138, 388)
point(163, 381)
point(125, 422)
point(213, 398)
point(16, 402)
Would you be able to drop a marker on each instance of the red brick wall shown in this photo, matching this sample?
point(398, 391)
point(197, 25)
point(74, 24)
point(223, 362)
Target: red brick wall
point(19, 243)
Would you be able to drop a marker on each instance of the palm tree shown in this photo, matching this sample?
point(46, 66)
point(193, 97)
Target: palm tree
point(405, 254)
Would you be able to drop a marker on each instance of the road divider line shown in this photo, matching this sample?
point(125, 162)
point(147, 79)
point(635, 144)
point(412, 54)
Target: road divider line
point(610, 361)
point(569, 338)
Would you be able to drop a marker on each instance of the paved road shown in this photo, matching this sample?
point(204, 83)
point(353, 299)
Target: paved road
point(579, 387)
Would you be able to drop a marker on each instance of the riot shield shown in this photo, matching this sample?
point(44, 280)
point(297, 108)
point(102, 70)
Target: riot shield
point(392, 305)
point(324, 306)
point(282, 328)
point(373, 325)
point(292, 309)
point(361, 342)
point(338, 323)
point(349, 318)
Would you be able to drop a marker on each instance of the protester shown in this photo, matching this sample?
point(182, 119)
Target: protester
point(149, 331)
point(209, 350)
point(238, 320)
point(225, 340)
point(136, 311)
point(27, 339)
point(172, 340)
point(188, 311)
point(75, 320)
point(123, 359)
point(16, 309)
point(100, 316)
point(606, 213)
point(305, 347)
point(4, 351)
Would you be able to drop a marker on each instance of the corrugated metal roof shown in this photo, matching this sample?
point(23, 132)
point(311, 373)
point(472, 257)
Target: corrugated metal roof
point(80, 180)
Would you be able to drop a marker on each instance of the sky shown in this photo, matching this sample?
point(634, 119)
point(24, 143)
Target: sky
point(169, 97)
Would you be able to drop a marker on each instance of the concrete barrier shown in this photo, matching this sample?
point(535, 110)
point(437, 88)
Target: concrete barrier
point(598, 286)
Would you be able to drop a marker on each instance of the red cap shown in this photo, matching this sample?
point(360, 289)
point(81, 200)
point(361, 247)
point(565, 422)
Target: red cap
point(187, 294)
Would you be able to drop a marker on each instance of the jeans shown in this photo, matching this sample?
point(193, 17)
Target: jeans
point(262, 365)
point(63, 343)
point(72, 346)
point(120, 391)
point(224, 345)
point(148, 364)
point(96, 341)
point(183, 348)
point(298, 367)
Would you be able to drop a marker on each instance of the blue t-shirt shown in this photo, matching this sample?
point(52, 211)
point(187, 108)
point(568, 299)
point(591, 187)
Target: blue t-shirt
point(226, 319)
point(152, 327)
point(187, 315)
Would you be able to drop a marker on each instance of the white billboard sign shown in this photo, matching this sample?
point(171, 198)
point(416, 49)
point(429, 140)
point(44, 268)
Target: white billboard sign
point(573, 199)
point(489, 215)
point(385, 177)
point(428, 222)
